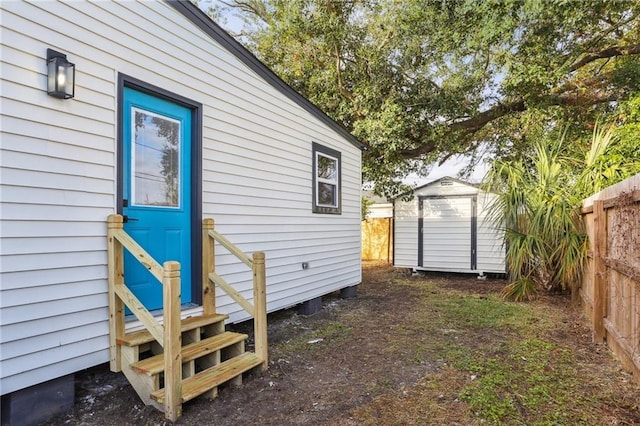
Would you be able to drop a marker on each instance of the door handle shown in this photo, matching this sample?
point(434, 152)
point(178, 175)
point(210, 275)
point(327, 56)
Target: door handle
point(126, 219)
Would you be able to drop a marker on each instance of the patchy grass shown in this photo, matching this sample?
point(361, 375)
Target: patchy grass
point(500, 364)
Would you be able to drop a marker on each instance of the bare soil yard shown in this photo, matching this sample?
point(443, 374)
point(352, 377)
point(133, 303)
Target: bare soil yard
point(409, 350)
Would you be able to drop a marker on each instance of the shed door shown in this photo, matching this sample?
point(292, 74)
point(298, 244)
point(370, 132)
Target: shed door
point(447, 233)
point(156, 189)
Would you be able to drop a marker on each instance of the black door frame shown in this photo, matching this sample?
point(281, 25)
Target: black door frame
point(196, 169)
point(474, 226)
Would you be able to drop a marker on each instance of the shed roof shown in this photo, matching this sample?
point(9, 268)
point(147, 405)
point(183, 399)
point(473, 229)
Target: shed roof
point(202, 21)
point(446, 178)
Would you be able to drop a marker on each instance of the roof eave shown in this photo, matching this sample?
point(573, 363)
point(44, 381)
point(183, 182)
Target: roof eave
point(206, 24)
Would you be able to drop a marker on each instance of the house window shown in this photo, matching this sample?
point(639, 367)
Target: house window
point(327, 194)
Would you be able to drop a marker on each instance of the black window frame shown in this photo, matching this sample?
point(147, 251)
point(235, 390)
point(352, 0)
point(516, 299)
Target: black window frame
point(319, 149)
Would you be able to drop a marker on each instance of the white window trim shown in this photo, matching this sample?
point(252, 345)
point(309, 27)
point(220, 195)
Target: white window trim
point(320, 150)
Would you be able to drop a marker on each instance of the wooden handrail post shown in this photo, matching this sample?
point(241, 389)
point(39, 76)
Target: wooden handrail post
point(115, 272)
point(260, 308)
point(600, 269)
point(208, 267)
point(172, 341)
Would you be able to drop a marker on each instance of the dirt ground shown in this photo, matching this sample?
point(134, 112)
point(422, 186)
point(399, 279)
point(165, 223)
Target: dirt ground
point(326, 367)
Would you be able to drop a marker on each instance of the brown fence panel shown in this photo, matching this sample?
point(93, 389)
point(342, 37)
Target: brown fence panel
point(588, 277)
point(377, 239)
point(611, 284)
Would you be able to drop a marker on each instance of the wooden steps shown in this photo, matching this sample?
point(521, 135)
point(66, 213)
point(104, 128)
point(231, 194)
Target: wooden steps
point(143, 336)
point(210, 357)
point(200, 354)
point(206, 380)
point(155, 364)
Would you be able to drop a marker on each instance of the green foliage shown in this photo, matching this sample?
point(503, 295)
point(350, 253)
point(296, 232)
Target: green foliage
point(521, 289)
point(538, 203)
point(365, 204)
point(478, 313)
point(418, 82)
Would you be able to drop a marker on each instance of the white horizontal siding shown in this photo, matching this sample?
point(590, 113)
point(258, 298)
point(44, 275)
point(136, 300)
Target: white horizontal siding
point(380, 210)
point(15, 349)
point(57, 185)
point(58, 176)
point(447, 242)
point(64, 360)
point(34, 294)
point(405, 238)
point(491, 248)
point(447, 234)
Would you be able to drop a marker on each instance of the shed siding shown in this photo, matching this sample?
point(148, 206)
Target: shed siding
point(491, 248)
point(447, 234)
point(405, 241)
point(447, 229)
point(58, 183)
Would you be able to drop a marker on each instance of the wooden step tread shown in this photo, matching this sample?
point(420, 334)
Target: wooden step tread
point(208, 379)
point(155, 364)
point(143, 336)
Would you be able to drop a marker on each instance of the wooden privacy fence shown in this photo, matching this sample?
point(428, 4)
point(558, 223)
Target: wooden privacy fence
point(377, 238)
point(610, 289)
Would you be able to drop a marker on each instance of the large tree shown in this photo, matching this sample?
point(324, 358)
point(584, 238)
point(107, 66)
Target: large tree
point(419, 81)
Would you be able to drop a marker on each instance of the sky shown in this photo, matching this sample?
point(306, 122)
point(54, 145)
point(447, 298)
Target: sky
point(450, 167)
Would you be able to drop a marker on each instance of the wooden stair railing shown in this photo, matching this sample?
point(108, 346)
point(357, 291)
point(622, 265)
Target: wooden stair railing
point(258, 310)
point(211, 356)
point(168, 335)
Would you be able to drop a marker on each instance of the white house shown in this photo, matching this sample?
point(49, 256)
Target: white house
point(171, 121)
point(444, 227)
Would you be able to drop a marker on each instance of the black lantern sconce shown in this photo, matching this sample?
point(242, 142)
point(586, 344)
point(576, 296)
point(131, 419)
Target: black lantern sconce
point(61, 75)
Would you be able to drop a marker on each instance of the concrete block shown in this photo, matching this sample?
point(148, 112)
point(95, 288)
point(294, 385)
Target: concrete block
point(349, 292)
point(310, 307)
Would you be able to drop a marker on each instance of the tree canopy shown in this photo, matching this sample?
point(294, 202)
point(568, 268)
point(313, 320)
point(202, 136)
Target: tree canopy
point(420, 81)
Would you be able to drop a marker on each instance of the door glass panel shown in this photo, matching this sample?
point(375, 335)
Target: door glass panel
point(155, 165)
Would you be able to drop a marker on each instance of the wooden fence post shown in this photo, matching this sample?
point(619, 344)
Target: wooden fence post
point(600, 271)
point(172, 341)
point(208, 267)
point(260, 309)
point(115, 273)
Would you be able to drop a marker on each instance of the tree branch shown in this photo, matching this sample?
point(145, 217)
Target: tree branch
point(341, 87)
point(468, 126)
point(610, 52)
point(615, 26)
point(471, 125)
point(477, 122)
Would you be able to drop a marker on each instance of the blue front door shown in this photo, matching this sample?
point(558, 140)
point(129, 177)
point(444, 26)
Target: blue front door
point(156, 189)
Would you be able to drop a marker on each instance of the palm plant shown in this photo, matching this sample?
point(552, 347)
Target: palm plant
point(538, 206)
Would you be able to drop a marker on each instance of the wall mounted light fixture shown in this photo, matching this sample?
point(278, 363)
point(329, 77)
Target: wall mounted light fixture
point(61, 75)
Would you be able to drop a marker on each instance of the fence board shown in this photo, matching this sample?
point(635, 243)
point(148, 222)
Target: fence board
point(377, 239)
point(610, 288)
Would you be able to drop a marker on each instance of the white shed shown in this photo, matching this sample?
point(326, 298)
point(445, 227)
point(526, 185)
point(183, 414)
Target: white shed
point(225, 139)
point(444, 227)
